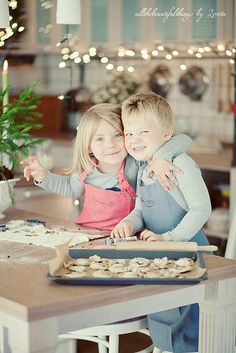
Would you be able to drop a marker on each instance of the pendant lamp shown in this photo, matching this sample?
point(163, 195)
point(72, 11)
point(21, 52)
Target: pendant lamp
point(4, 14)
point(68, 12)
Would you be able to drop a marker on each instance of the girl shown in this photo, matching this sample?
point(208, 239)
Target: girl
point(101, 171)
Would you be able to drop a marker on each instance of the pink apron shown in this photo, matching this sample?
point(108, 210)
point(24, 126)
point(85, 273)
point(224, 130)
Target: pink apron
point(103, 209)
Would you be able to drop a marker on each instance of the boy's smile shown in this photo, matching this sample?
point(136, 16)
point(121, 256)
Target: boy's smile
point(143, 138)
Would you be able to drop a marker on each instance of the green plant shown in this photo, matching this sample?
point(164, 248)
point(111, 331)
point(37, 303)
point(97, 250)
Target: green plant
point(17, 119)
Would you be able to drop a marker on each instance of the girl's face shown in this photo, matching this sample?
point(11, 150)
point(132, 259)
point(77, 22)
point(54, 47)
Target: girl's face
point(108, 147)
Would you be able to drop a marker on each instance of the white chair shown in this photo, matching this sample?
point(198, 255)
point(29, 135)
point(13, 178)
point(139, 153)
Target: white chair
point(107, 336)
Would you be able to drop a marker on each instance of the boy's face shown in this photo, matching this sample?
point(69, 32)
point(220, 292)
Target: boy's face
point(143, 138)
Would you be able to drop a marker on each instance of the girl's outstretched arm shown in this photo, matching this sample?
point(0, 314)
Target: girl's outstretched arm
point(68, 186)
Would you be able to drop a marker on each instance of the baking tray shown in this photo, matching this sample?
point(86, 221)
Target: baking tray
point(126, 254)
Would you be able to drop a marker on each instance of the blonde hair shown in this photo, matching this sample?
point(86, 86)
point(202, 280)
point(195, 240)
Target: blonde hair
point(148, 106)
point(82, 157)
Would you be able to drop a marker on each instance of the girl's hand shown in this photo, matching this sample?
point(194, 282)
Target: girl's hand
point(150, 236)
point(34, 169)
point(123, 229)
point(163, 171)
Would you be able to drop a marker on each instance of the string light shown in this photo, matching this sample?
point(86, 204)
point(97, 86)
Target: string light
point(129, 52)
point(62, 64)
point(221, 47)
point(46, 4)
point(146, 56)
point(74, 55)
point(66, 57)
point(130, 69)
point(167, 53)
point(155, 53)
point(65, 50)
point(144, 51)
point(13, 28)
point(121, 52)
point(104, 60)
point(110, 67)
point(228, 52)
point(92, 51)
point(13, 4)
point(175, 52)
point(120, 68)
point(86, 58)
point(168, 56)
point(77, 60)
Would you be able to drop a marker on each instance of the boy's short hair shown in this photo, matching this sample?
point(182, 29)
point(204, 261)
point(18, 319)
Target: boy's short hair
point(148, 106)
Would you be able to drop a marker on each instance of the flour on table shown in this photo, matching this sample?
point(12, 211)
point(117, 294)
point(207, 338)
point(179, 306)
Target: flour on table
point(38, 234)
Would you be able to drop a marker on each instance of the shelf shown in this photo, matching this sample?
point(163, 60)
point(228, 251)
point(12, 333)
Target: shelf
point(217, 162)
point(215, 234)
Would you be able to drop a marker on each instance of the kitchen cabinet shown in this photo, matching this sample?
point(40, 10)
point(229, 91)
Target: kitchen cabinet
point(51, 109)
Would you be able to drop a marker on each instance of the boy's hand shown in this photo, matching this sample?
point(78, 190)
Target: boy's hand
point(150, 236)
point(163, 171)
point(34, 169)
point(123, 229)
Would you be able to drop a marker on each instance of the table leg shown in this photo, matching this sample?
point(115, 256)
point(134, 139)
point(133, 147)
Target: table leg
point(217, 329)
point(29, 337)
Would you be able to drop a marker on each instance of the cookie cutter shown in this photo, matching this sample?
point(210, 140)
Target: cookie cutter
point(33, 222)
point(3, 227)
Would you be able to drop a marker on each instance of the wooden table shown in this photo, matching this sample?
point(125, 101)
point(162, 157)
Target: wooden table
point(34, 311)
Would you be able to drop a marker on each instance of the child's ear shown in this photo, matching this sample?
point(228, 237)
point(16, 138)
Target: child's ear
point(168, 135)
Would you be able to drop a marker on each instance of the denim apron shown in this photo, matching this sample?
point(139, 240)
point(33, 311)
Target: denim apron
point(174, 330)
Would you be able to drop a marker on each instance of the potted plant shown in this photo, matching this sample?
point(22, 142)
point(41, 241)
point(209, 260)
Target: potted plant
point(17, 119)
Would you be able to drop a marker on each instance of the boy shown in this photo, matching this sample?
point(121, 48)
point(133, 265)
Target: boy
point(174, 215)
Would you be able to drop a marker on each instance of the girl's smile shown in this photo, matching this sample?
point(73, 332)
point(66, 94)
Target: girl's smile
point(107, 146)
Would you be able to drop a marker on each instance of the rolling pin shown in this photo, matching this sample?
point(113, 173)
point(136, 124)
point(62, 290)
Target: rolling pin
point(164, 246)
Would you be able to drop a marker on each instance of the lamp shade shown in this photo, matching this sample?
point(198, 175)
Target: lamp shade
point(4, 14)
point(68, 12)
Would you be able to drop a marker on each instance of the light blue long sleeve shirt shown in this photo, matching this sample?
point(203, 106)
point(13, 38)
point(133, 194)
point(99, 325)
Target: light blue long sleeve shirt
point(191, 194)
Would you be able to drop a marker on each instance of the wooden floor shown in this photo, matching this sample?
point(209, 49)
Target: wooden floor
point(130, 343)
